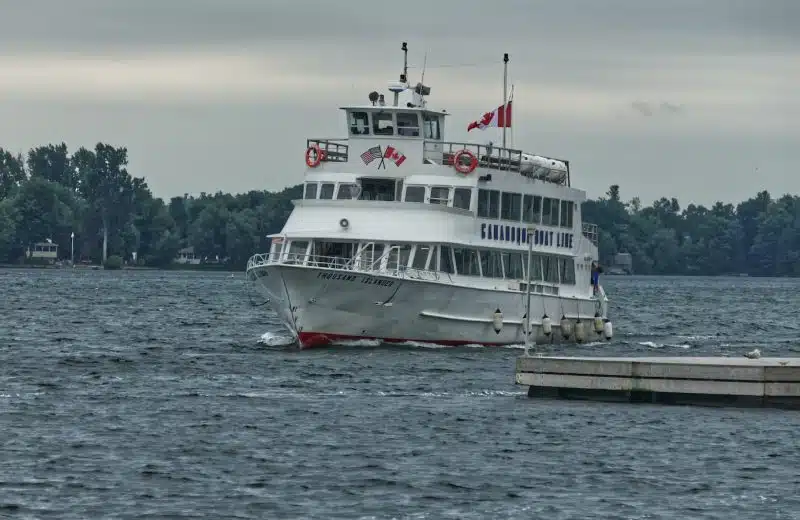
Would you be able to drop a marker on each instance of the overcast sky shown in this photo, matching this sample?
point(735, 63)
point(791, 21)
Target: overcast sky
point(697, 99)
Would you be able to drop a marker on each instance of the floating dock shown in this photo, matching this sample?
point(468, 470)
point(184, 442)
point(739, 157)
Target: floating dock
point(710, 381)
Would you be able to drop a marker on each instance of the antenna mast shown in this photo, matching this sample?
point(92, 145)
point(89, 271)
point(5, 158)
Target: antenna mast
point(404, 48)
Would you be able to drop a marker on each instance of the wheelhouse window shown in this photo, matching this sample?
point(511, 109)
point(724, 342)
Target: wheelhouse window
point(531, 209)
point(440, 195)
point(488, 203)
point(511, 207)
point(430, 124)
point(415, 194)
point(567, 208)
point(359, 123)
point(408, 124)
point(382, 123)
point(310, 191)
point(347, 191)
point(462, 197)
point(326, 190)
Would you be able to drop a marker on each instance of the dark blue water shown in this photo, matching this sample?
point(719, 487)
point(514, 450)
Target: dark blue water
point(167, 395)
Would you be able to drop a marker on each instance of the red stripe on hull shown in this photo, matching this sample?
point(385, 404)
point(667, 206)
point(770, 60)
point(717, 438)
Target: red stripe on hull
point(321, 339)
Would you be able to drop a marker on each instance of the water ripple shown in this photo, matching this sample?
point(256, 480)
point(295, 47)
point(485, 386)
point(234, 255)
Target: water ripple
point(165, 394)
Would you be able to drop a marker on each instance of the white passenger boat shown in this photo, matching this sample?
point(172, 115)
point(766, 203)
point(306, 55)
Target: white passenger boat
point(404, 236)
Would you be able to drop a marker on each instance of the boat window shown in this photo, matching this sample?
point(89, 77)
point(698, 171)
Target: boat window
point(512, 265)
point(421, 254)
point(439, 195)
point(382, 123)
point(550, 268)
point(462, 198)
point(377, 189)
point(398, 257)
point(536, 267)
point(311, 191)
point(511, 207)
point(326, 190)
point(549, 212)
point(407, 124)
point(331, 254)
point(467, 261)
point(398, 189)
point(277, 247)
point(347, 191)
point(431, 127)
point(368, 255)
point(359, 123)
point(566, 213)
point(446, 260)
point(554, 212)
point(488, 203)
point(491, 263)
point(567, 269)
point(531, 209)
point(297, 252)
point(415, 194)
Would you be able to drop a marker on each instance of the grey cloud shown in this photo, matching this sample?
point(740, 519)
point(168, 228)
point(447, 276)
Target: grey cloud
point(564, 25)
point(648, 109)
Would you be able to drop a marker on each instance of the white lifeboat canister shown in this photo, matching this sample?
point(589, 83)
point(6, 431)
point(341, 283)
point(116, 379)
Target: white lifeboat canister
point(497, 321)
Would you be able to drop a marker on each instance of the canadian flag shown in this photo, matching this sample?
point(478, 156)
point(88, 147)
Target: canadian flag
point(393, 155)
point(499, 117)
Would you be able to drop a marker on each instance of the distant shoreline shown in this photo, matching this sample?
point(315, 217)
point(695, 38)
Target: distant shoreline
point(95, 267)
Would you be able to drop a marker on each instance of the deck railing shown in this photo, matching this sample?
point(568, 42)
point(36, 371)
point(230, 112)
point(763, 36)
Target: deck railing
point(492, 157)
point(347, 264)
point(444, 152)
point(333, 150)
point(590, 231)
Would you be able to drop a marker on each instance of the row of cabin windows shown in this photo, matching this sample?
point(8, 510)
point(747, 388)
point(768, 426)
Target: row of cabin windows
point(444, 195)
point(330, 190)
point(488, 263)
point(389, 123)
point(531, 209)
point(515, 207)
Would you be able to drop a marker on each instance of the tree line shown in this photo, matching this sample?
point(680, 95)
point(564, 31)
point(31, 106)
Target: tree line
point(49, 193)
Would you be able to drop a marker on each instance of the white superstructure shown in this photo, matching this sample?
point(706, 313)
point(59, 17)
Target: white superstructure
point(402, 235)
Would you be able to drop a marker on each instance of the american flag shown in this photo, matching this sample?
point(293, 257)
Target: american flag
point(371, 154)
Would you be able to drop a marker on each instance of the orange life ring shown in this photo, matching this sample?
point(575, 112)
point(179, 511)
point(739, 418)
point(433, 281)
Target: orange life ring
point(319, 155)
point(465, 168)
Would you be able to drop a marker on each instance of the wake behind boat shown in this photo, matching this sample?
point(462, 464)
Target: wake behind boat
point(404, 236)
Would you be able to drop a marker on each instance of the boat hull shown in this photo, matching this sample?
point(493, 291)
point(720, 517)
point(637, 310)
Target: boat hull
point(324, 306)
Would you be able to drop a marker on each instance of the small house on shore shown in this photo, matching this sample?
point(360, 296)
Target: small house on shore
point(43, 252)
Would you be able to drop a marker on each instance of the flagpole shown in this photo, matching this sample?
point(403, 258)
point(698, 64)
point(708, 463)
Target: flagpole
point(505, 94)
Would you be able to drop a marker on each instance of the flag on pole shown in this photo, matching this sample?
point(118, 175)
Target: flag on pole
point(500, 117)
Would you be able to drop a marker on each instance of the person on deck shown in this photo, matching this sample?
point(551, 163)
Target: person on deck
point(595, 277)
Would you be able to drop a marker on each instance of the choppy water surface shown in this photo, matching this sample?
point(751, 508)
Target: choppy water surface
point(167, 395)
